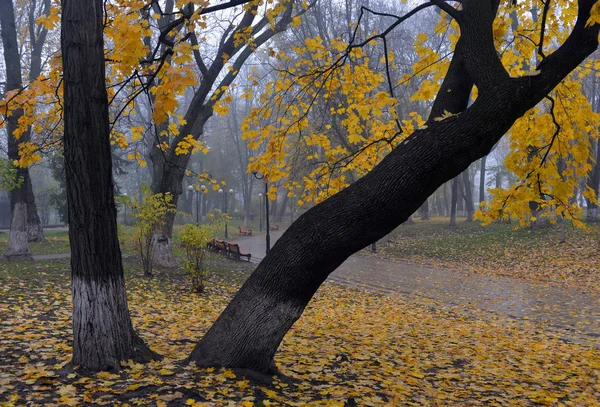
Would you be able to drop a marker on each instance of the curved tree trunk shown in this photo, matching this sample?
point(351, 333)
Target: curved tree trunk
point(103, 335)
point(249, 331)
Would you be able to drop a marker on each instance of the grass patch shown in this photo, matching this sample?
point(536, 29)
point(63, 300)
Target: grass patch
point(499, 249)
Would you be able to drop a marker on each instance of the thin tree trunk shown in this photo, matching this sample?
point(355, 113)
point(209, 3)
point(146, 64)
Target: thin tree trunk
point(460, 203)
point(103, 335)
point(482, 179)
point(468, 196)
point(454, 201)
point(284, 205)
point(446, 200)
point(425, 210)
point(17, 248)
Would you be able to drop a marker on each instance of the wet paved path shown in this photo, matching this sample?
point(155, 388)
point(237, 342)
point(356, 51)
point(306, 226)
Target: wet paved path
point(575, 312)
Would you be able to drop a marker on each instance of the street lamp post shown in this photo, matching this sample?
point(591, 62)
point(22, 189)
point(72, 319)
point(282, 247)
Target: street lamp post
point(260, 212)
point(200, 197)
point(198, 201)
point(255, 173)
point(125, 207)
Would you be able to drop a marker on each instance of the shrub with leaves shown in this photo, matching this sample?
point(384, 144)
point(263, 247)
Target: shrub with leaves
point(150, 217)
point(194, 239)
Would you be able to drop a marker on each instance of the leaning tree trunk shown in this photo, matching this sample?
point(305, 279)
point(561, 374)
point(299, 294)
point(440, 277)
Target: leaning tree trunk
point(249, 331)
point(103, 335)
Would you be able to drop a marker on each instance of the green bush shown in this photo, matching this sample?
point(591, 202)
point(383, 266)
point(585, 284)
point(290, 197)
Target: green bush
point(193, 239)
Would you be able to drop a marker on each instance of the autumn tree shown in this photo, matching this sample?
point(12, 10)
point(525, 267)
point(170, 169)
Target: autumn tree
point(103, 335)
point(170, 155)
point(251, 328)
point(25, 222)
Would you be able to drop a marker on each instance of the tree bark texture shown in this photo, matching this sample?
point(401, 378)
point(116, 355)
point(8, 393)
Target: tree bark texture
point(17, 239)
point(248, 332)
point(24, 192)
point(102, 331)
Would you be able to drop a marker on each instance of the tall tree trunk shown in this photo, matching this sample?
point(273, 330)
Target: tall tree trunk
point(284, 205)
point(439, 204)
point(593, 182)
point(425, 210)
point(19, 197)
point(468, 195)
point(454, 201)
point(460, 203)
point(103, 335)
point(446, 200)
point(482, 179)
point(37, 39)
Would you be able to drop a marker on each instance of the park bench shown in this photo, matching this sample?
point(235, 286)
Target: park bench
point(244, 231)
point(222, 246)
point(212, 245)
point(236, 253)
point(274, 227)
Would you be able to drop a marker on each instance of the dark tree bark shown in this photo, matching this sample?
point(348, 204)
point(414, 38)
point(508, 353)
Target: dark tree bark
point(19, 197)
point(102, 331)
point(248, 332)
point(482, 179)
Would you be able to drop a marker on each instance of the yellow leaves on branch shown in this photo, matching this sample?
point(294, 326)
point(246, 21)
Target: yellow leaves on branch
point(549, 164)
point(286, 127)
point(174, 80)
point(184, 146)
point(594, 15)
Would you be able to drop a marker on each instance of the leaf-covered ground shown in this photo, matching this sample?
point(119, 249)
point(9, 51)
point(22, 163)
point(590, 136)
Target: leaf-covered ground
point(350, 348)
point(534, 255)
point(57, 242)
